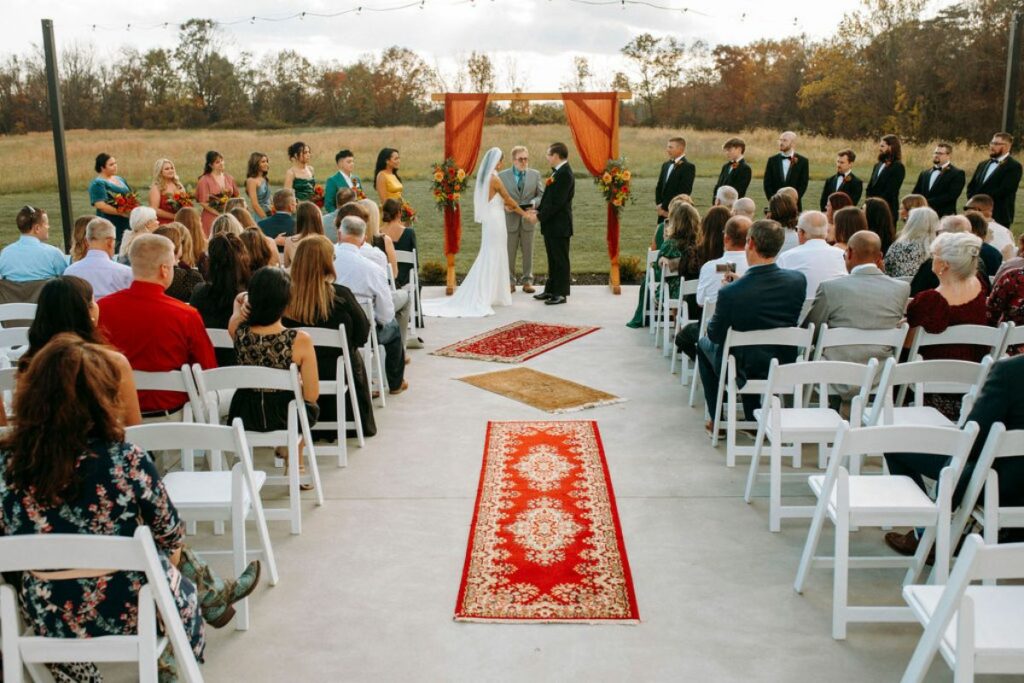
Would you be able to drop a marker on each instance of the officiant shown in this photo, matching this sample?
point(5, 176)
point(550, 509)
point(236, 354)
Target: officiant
point(525, 187)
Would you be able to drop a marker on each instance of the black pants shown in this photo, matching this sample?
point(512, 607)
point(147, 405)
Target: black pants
point(686, 340)
point(557, 248)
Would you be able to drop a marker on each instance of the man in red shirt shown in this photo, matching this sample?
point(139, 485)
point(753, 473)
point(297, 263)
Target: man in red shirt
point(155, 332)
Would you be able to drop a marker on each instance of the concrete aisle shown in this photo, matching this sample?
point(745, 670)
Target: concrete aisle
point(368, 590)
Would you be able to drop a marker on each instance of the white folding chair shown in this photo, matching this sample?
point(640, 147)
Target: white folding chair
point(670, 325)
point(220, 338)
point(181, 381)
point(730, 391)
point(373, 354)
point(13, 343)
point(211, 382)
point(1014, 337)
point(926, 376)
point(344, 384)
point(413, 286)
point(215, 496)
point(17, 313)
point(705, 318)
point(834, 337)
point(8, 383)
point(991, 338)
point(650, 286)
point(798, 425)
point(43, 552)
point(978, 629)
point(884, 500)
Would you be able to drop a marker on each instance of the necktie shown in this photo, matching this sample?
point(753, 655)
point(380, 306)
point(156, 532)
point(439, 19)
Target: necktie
point(519, 181)
point(735, 165)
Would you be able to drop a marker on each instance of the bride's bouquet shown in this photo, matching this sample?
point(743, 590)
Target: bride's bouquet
point(614, 184)
point(449, 181)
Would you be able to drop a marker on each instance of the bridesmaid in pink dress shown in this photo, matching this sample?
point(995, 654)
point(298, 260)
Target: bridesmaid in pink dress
point(213, 183)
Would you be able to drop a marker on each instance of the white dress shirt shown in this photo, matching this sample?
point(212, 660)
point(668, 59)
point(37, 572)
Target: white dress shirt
point(1001, 238)
point(816, 260)
point(710, 280)
point(992, 167)
point(375, 256)
point(365, 279)
point(786, 162)
point(671, 168)
point(936, 172)
point(105, 276)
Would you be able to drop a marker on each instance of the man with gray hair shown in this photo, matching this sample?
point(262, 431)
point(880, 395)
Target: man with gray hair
point(97, 267)
point(726, 196)
point(368, 282)
point(744, 206)
point(814, 257)
point(525, 187)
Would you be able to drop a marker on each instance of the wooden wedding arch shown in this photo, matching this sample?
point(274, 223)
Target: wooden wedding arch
point(593, 121)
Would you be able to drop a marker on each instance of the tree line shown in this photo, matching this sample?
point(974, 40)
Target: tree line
point(887, 68)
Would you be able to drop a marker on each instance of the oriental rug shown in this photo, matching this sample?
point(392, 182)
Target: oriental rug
point(545, 545)
point(515, 342)
point(541, 390)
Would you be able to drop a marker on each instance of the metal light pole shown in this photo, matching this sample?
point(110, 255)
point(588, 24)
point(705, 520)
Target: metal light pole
point(1012, 73)
point(57, 123)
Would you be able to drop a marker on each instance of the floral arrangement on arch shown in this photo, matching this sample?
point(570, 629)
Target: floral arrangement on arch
point(124, 202)
point(181, 199)
point(449, 181)
point(614, 184)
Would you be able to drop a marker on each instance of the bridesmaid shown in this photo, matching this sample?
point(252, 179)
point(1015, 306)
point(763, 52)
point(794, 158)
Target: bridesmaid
point(165, 184)
point(214, 181)
point(299, 177)
point(102, 190)
point(386, 180)
point(257, 185)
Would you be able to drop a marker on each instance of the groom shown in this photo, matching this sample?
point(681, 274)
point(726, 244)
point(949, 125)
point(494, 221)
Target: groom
point(555, 216)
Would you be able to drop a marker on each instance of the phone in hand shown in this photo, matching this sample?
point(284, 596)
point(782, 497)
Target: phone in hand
point(725, 267)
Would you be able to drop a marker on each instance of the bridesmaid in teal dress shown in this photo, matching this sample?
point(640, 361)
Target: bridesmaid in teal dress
point(257, 186)
point(299, 177)
point(102, 190)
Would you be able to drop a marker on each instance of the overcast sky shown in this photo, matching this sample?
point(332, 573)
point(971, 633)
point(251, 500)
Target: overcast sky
point(542, 36)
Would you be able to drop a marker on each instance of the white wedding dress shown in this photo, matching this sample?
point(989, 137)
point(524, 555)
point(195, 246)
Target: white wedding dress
point(487, 283)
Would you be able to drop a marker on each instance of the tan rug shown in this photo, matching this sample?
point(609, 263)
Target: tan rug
point(540, 390)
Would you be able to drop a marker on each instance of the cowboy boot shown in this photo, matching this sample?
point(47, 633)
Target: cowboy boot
point(215, 594)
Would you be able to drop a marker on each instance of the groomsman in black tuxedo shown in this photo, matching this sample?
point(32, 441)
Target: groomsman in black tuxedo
point(888, 174)
point(736, 172)
point(676, 176)
point(941, 184)
point(555, 215)
point(787, 169)
point(843, 181)
point(998, 177)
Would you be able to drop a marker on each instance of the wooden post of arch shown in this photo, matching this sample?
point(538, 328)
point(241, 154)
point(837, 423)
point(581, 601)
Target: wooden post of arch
point(613, 275)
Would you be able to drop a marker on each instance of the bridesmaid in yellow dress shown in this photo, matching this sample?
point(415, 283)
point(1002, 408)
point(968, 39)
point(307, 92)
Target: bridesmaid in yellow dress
point(386, 179)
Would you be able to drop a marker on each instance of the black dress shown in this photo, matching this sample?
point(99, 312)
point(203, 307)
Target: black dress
point(263, 411)
point(186, 279)
point(349, 313)
point(215, 316)
point(406, 242)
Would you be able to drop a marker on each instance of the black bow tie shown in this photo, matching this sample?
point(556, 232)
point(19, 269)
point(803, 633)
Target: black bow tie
point(936, 168)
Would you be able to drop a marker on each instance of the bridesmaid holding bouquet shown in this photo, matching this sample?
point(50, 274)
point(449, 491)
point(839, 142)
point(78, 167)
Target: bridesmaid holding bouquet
point(167, 195)
point(299, 177)
point(257, 185)
point(111, 194)
point(214, 189)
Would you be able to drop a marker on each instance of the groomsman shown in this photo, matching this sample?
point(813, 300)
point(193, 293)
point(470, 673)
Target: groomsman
point(941, 184)
point(343, 178)
point(998, 177)
point(676, 176)
point(843, 181)
point(736, 172)
point(525, 187)
point(787, 169)
point(888, 174)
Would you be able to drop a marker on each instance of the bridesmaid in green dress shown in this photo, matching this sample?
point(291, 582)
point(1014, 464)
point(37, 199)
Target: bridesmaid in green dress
point(299, 177)
point(638, 321)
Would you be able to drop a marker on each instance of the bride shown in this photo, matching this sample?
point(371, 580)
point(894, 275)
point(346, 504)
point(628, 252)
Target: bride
point(486, 283)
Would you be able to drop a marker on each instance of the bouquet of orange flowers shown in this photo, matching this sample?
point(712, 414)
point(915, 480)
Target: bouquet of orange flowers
point(124, 202)
point(448, 183)
point(408, 213)
point(318, 195)
point(218, 202)
point(181, 199)
point(614, 184)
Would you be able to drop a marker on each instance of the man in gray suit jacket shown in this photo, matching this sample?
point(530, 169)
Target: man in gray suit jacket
point(525, 187)
point(866, 299)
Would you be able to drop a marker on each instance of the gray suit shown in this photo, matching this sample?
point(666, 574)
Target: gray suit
point(520, 232)
point(867, 299)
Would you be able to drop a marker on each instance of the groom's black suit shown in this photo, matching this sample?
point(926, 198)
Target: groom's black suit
point(555, 215)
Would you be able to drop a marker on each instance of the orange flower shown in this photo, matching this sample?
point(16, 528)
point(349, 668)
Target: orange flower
point(617, 202)
point(626, 175)
point(455, 197)
point(438, 176)
point(461, 174)
point(607, 178)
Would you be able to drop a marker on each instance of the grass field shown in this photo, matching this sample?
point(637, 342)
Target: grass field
point(35, 180)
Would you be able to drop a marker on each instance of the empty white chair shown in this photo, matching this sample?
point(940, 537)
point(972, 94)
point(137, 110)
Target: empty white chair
point(212, 382)
point(373, 354)
point(729, 389)
point(672, 326)
point(705, 318)
point(926, 376)
point(796, 424)
point(882, 501)
point(978, 629)
point(80, 551)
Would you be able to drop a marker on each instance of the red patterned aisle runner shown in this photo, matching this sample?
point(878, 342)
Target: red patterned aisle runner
point(514, 343)
point(545, 545)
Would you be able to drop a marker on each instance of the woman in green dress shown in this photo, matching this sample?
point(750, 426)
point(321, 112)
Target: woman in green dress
point(680, 252)
point(299, 176)
point(638, 321)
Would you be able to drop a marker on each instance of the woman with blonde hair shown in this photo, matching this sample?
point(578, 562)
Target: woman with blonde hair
point(318, 301)
point(79, 245)
point(186, 278)
point(196, 257)
point(244, 217)
point(374, 236)
point(910, 249)
point(308, 221)
point(680, 253)
point(165, 185)
point(226, 223)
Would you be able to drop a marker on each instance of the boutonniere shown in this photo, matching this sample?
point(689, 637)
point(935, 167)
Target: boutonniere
point(550, 180)
point(846, 179)
point(678, 162)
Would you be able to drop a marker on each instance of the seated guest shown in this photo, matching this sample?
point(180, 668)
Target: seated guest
point(959, 299)
point(155, 332)
point(341, 197)
point(318, 301)
point(782, 208)
point(910, 250)
point(925, 277)
point(235, 203)
point(744, 206)
point(1006, 302)
point(679, 256)
point(1015, 261)
point(229, 276)
point(997, 402)
point(712, 234)
point(880, 221)
point(261, 253)
point(733, 260)
point(246, 220)
point(226, 223)
point(307, 222)
point(186, 279)
point(368, 281)
point(196, 257)
point(281, 223)
point(911, 202)
point(98, 268)
point(79, 242)
point(402, 237)
point(374, 236)
point(30, 258)
point(726, 196)
point(990, 256)
point(848, 221)
point(814, 257)
point(142, 221)
point(999, 236)
point(835, 201)
point(657, 241)
point(867, 300)
point(66, 304)
point(765, 297)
